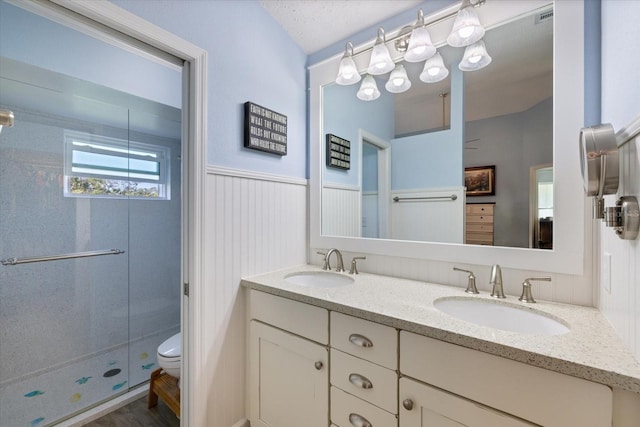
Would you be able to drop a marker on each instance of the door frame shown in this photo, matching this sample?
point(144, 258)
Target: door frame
point(117, 24)
point(384, 178)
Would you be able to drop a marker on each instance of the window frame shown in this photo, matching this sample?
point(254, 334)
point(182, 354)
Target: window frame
point(76, 141)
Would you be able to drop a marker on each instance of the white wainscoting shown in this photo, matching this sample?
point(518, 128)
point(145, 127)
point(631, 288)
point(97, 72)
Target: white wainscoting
point(253, 224)
point(341, 210)
point(429, 215)
point(620, 293)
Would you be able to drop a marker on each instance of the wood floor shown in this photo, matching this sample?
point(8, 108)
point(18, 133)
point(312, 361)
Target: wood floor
point(136, 414)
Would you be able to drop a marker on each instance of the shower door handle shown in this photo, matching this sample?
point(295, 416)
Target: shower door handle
point(15, 261)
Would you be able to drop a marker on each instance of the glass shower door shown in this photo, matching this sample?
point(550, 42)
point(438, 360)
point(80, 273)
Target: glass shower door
point(63, 315)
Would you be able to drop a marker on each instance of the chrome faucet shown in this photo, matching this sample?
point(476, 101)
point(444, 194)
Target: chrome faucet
point(327, 259)
point(496, 281)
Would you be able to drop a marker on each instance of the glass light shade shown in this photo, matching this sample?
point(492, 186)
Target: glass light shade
point(475, 57)
point(348, 71)
point(380, 62)
point(434, 69)
point(398, 81)
point(466, 28)
point(368, 89)
point(420, 46)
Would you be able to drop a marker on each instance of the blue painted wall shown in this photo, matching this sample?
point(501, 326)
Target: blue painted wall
point(433, 159)
point(55, 47)
point(345, 114)
point(251, 58)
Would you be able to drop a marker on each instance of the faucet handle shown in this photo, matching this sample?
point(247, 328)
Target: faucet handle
point(354, 267)
point(471, 284)
point(326, 265)
point(526, 288)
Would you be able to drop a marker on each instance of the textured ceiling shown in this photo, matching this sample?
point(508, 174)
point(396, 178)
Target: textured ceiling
point(316, 24)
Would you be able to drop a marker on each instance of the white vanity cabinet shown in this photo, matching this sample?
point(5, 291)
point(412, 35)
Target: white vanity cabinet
point(426, 406)
point(314, 367)
point(288, 363)
point(364, 377)
point(499, 386)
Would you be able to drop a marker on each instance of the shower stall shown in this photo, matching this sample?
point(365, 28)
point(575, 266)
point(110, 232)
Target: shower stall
point(90, 219)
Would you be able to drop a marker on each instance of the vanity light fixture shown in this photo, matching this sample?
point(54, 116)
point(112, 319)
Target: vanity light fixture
point(416, 44)
point(398, 80)
point(475, 57)
point(434, 69)
point(420, 45)
point(466, 27)
point(380, 62)
point(348, 72)
point(368, 89)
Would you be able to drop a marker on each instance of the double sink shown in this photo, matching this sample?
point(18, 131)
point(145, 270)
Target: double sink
point(495, 314)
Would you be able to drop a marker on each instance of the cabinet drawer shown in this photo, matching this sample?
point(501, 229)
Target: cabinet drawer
point(346, 410)
point(480, 209)
point(365, 380)
point(538, 395)
point(367, 340)
point(479, 238)
point(480, 228)
point(302, 319)
point(480, 219)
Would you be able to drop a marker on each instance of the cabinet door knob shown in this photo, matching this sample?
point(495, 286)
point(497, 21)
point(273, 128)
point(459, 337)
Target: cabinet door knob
point(319, 365)
point(360, 340)
point(408, 404)
point(359, 421)
point(360, 381)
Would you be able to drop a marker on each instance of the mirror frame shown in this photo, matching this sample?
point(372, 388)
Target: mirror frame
point(568, 253)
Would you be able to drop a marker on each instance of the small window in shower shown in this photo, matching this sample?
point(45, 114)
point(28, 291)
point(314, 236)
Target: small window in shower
point(100, 166)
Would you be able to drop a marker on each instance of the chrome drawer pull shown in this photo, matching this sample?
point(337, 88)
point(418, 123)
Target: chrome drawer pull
point(359, 421)
point(360, 340)
point(360, 381)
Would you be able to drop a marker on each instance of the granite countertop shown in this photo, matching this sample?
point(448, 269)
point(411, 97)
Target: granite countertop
point(591, 350)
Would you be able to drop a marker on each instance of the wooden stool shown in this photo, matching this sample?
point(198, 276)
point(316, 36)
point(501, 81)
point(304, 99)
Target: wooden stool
point(166, 388)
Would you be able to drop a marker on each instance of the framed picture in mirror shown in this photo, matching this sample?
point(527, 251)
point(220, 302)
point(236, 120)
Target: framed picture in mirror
point(480, 180)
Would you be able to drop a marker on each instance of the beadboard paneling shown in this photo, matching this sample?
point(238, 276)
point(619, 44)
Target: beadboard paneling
point(252, 225)
point(620, 302)
point(341, 211)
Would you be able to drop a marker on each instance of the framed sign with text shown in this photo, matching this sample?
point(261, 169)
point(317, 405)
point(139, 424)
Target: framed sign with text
point(264, 129)
point(338, 152)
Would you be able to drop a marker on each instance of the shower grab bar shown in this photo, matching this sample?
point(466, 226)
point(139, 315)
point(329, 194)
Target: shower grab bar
point(400, 199)
point(15, 261)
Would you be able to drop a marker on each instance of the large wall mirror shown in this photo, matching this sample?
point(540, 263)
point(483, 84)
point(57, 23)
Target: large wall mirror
point(406, 191)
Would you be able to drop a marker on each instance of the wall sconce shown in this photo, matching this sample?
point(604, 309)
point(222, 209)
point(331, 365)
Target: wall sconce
point(348, 71)
point(398, 80)
point(466, 27)
point(475, 57)
point(6, 118)
point(599, 164)
point(380, 62)
point(434, 69)
point(420, 46)
point(368, 89)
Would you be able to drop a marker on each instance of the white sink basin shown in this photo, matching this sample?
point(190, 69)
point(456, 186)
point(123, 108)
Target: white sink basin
point(319, 279)
point(501, 315)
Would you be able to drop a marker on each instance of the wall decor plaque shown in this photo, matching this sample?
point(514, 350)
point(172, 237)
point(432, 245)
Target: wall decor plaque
point(264, 129)
point(338, 152)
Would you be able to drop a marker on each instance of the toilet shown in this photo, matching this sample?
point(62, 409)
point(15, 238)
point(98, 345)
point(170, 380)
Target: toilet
point(170, 355)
